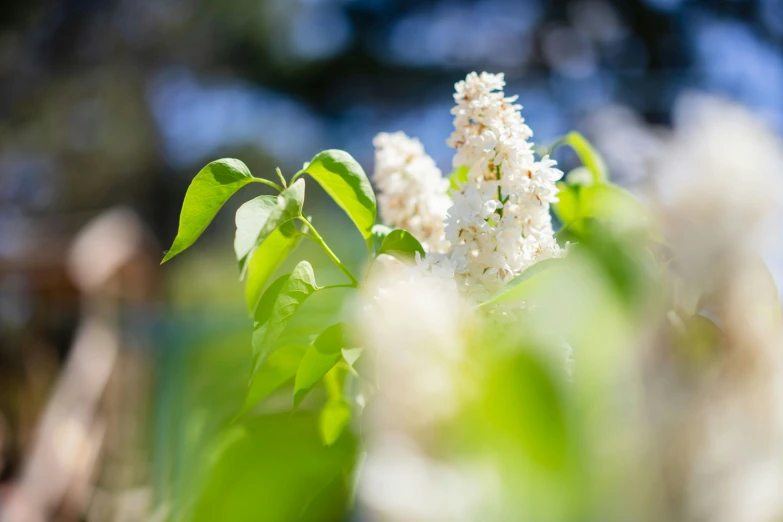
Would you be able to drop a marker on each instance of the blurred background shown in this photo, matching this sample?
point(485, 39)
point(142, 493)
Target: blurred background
point(115, 371)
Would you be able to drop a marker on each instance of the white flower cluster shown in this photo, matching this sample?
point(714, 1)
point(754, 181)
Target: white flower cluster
point(709, 155)
point(417, 325)
point(412, 191)
point(499, 224)
point(419, 328)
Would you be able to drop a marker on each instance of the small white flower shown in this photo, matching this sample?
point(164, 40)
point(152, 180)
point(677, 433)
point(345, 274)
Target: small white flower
point(412, 193)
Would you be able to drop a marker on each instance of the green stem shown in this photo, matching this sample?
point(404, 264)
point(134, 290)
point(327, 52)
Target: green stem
point(589, 157)
point(280, 175)
point(318, 239)
point(268, 183)
point(337, 286)
point(296, 176)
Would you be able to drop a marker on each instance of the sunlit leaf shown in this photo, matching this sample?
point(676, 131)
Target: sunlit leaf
point(402, 245)
point(269, 468)
point(624, 259)
point(521, 286)
point(335, 416)
point(278, 369)
point(525, 404)
point(320, 357)
point(207, 193)
point(337, 411)
point(278, 304)
point(265, 236)
point(345, 181)
point(566, 208)
point(604, 202)
point(267, 258)
point(588, 155)
point(287, 206)
point(250, 219)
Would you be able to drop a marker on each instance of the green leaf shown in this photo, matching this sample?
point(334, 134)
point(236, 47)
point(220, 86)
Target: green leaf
point(279, 368)
point(321, 356)
point(345, 181)
point(250, 219)
point(267, 258)
point(521, 286)
point(287, 206)
point(588, 155)
point(265, 236)
point(604, 202)
point(207, 193)
point(335, 416)
point(524, 401)
point(402, 245)
point(567, 207)
point(457, 178)
point(379, 233)
point(268, 468)
point(337, 411)
point(278, 304)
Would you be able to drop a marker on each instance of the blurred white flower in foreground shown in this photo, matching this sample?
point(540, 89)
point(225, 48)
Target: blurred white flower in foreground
point(412, 193)
point(418, 328)
point(719, 181)
point(400, 483)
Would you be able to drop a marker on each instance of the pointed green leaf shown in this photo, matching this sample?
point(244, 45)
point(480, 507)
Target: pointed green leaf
point(267, 258)
point(250, 219)
point(402, 245)
point(605, 202)
point(321, 356)
point(613, 203)
point(278, 304)
point(335, 416)
point(287, 206)
point(267, 303)
point(347, 184)
point(207, 193)
point(588, 155)
point(265, 236)
point(566, 208)
point(279, 368)
point(521, 286)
